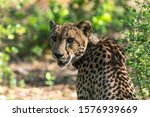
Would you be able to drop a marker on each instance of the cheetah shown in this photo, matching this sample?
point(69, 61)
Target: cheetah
point(102, 73)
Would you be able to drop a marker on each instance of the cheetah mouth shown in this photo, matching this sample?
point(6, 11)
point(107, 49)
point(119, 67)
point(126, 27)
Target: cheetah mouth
point(63, 63)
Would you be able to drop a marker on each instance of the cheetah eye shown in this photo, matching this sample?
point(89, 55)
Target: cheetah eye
point(70, 40)
point(53, 38)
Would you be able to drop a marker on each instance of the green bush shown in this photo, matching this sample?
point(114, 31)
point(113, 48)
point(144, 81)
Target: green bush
point(138, 50)
point(6, 74)
point(49, 79)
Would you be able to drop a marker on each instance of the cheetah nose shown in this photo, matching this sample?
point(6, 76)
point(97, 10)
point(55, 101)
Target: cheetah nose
point(58, 55)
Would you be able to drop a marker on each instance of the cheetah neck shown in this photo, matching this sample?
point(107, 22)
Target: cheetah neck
point(77, 61)
point(92, 41)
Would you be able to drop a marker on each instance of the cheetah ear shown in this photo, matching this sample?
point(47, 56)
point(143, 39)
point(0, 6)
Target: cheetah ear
point(52, 24)
point(85, 26)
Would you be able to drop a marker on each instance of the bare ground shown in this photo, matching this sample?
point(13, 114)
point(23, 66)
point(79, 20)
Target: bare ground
point(59, 92)
point(34, 87)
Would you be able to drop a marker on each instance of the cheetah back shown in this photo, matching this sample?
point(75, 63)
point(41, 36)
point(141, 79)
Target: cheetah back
point(102, 73)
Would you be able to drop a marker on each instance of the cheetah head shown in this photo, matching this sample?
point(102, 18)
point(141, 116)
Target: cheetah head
point(69, 41)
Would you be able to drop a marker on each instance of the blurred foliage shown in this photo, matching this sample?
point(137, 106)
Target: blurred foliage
point(6, 74)
point(49, 79)
point(138, 35)
point(24, 31)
